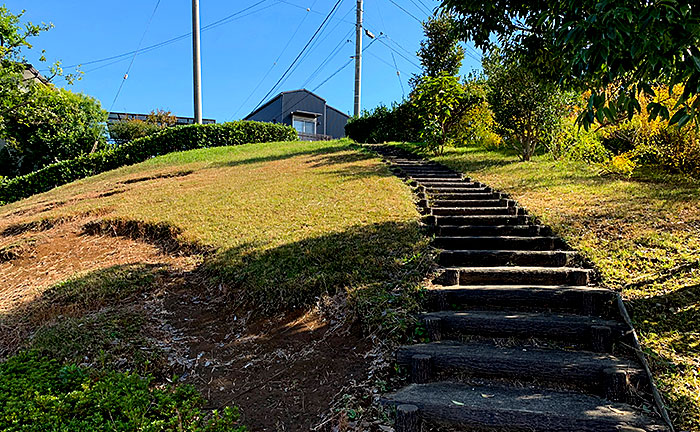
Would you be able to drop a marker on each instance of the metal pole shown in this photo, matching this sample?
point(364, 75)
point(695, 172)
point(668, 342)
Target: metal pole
point(197, 63)
point(358, 58)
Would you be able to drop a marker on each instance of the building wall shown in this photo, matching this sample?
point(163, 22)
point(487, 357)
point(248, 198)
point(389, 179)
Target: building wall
point(336, 122)
point(270, 113)
point(330, 122)
point(305, 101)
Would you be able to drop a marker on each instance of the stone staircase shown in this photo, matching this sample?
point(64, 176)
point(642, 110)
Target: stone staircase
point(519, 338)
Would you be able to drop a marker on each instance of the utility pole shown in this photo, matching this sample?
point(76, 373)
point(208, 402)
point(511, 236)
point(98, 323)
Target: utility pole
point(358, 58)
point(196, 63)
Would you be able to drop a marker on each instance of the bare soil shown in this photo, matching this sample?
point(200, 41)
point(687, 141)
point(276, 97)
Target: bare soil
point(284, 372)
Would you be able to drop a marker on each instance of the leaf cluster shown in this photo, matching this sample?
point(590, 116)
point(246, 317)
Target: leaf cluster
point(398, 122)
point(441, 103)
point(54, 125)
point(38, 394)
point(617, 49)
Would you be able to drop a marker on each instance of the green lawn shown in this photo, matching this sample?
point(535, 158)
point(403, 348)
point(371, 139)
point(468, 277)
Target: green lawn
point(642, 235)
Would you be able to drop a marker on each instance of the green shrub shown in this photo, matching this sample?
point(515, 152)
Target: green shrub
point(384, 124)
point(169, 140)
point(38, 394)
point(128, 130)
point(55, 125)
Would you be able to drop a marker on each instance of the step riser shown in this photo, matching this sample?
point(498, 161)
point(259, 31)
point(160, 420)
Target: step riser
point(503, 230)
point(592, 303)
point(589, 377)
point(498, 243)
point(506, 258)
point(477, 194)
point(456, 183)
point(469, 203)
point(593, 334)
point(479, 220)
point(489, 277)
point(463, 188)
point(473, 211)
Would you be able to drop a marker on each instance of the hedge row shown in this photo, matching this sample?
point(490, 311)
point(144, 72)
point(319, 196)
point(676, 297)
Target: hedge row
point(169, 140)
point(383, 124)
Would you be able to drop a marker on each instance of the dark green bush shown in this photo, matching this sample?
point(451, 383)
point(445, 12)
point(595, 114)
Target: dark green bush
point(169, 140)
point(384, 124)
point(38, 394)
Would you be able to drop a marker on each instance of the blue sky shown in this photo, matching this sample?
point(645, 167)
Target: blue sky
point(238, 54)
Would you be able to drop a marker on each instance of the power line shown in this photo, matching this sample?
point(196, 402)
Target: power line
point(300, 54)
point(400, 54)
point(407, 12)
point(334, 52)
point(398, 75)
point(426, 7)
point(276, 60)
point(317, 42)
point(332, 75)
point(128, 69)
point(421, 8)
point(215, 24)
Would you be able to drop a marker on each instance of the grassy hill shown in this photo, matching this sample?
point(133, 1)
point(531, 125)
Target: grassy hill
point(214, 265)
point(642, 235)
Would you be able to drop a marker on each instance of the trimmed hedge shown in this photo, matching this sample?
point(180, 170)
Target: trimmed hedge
point(169, 140)
point(384, 124)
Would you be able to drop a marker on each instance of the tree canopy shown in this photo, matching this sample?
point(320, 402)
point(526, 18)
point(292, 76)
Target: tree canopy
point(440, 51)
point(618, 50)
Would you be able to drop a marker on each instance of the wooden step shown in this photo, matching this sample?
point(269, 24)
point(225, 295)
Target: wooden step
point(499, 408)
point(489, 258)
point(593, 372)
point(492, 230)
point(538, 243)
point(585, 300)
point(469, 203)
point(515, 276)
point(468, 211)
point(444, 183)
point(461, 188)
point(481, 220)
point(597, 334)
point(474, 194)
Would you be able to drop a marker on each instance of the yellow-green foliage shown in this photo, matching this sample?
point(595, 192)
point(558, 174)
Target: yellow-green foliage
point(477, 128)
point(655, 142)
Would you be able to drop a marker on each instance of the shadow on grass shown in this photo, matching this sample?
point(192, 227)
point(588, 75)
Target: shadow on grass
point(295, 275)
point(91, 319)
point(98, 318)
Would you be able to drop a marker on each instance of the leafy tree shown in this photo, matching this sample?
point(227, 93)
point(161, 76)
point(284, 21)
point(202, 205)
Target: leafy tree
point(527, 110)
point(57, 125)
point(440, 51)
point(616, 49)
point(441, 103)
point(127, 130)
point(39, 123)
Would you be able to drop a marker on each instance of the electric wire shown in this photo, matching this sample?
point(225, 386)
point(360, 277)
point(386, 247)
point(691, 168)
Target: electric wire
point(421, 8)
point(398, 75)
point(406, 11)
point(337, 71)
point(335, 7)
point(215, 24)
point(128, 69)
point(276, 60)
point(322, 37)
